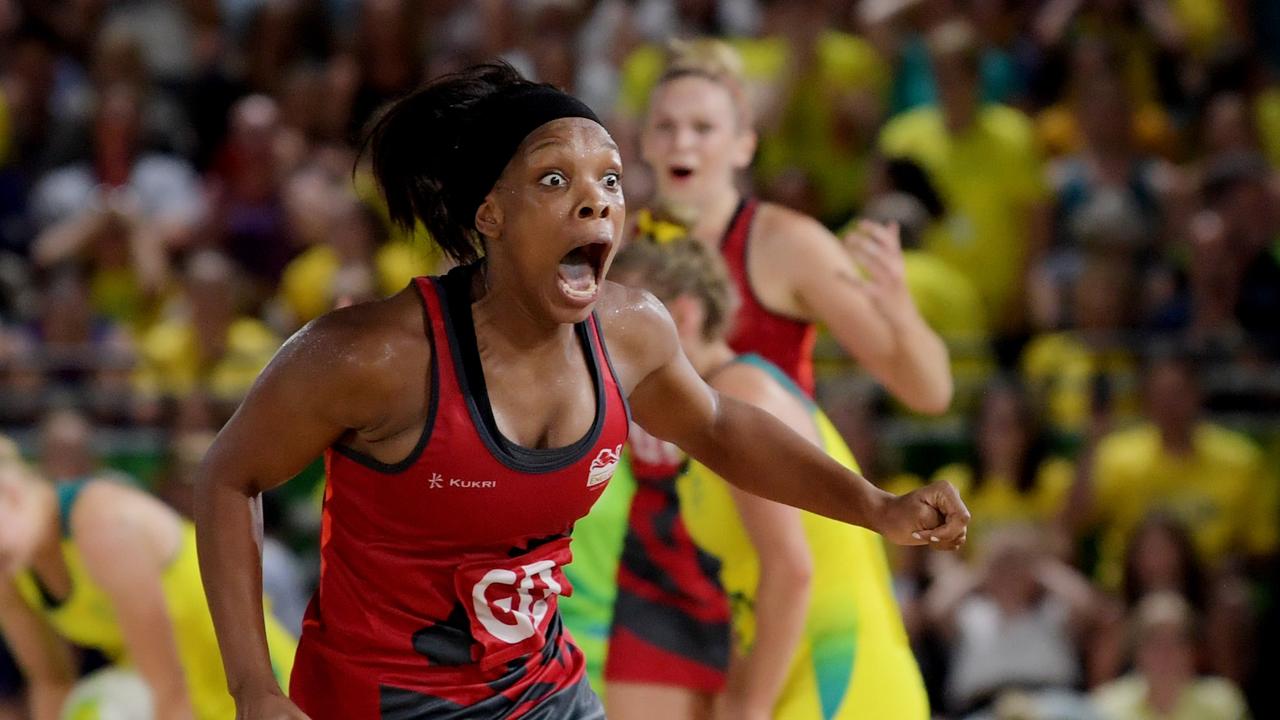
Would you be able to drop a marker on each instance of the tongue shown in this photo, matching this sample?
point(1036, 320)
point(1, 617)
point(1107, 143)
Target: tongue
point(577, 276)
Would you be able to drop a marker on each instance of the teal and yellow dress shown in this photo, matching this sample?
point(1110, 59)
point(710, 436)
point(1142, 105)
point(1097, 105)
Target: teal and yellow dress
point(86, 617)
point(854, 660)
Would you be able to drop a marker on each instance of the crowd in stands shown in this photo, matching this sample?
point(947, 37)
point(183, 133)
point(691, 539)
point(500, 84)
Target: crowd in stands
point(1088, 193)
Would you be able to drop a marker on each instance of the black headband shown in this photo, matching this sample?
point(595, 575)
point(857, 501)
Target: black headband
point(501, 122)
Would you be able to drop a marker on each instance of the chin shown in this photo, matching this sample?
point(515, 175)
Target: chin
point(573, 315)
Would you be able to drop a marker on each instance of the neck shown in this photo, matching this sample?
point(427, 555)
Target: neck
point(1164, 690)
point(508, 320)
point(714, 214)
point(1177, 439)
point(707, 358)
point(1005, 468)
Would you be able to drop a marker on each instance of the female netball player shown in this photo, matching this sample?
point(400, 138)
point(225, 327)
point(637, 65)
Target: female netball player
point(668, 643)
point(470, 419)
point(817, 632)
point(106, 566)
point(789, 271)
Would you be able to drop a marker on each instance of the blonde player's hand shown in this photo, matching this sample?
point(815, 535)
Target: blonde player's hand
point(877, 248)
point(933, 515)
point(267, 706)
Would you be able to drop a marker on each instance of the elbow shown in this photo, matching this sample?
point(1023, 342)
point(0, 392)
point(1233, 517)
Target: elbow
point(932, 398)
point(794, 573)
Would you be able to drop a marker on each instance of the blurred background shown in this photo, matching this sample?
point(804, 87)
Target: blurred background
point(1088, 192)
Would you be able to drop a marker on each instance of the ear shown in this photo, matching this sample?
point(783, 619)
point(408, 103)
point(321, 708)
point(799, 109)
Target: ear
point(744, 149)
point(689, 317)
point(489, 218)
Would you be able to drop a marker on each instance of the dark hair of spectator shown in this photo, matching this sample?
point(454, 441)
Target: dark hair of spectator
point(1036, 449)
point(1193, 576)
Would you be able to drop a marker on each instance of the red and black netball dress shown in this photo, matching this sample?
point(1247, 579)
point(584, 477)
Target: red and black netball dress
point(670, 617)
point(783, 341)
point(440, 574)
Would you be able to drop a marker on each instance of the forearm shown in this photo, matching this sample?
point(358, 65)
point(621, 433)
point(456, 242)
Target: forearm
point(782, 604)
point(172, 706)
point(759, 454)
point(65, 239)
point(46, 699)
point(921, 367)
point(229, 537)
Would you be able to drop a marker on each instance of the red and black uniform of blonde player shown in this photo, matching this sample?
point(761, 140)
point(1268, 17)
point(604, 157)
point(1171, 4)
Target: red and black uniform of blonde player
point(468, 422)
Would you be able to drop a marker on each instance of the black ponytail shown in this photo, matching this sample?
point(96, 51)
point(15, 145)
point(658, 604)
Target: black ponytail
point(418, 149)
point(438, 151)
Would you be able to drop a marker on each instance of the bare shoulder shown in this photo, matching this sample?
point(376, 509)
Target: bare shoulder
point(103, 503)
point(790, 247)
point(754, 386)
point(637, 330)
point(353, 361)
point(782, 226)
point(112, 520)
point(363, 340)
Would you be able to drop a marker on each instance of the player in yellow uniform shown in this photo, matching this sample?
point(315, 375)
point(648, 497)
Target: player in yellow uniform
point(817, 631)
point(106, 566)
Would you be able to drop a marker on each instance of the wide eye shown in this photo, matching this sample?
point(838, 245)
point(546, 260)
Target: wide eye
point(553, 179)
point(612, 180)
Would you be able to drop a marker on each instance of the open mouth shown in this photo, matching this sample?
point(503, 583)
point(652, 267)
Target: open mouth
point(680, 172)
point(581, 269)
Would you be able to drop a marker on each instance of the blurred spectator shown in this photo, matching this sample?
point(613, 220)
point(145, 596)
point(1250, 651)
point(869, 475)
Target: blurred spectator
point(1162, 559)
point(1109, 167)
point(1062, 125)
point(66, 446)
point(1096, 341)
point(1017, 621)
point(1164, 683)
point(204, 343)
point(1011, 478)
point(1235, 257)
point(75, 349)
point(353, 262)
point(164, 187)
point(821, 107)
point(1147, 36)
point(1211, 478)
point(387, 57)
point(902, 29)
point(250, 218)
point(985, 163)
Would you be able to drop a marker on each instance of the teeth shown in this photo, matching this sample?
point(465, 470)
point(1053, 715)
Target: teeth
point(579, 291)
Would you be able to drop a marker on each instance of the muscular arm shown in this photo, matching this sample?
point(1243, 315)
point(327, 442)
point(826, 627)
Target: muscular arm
point(755, 451)
point(873, 318)
point(329, 378)
point(45, 659)
point(122, 559)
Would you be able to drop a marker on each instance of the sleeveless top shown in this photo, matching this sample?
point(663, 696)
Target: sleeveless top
point(786, 342)
point(440, 574)
point(854, 659)
point(87, 616)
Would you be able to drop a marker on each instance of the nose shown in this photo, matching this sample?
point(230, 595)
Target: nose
point(594, 204)
point(684, 138)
